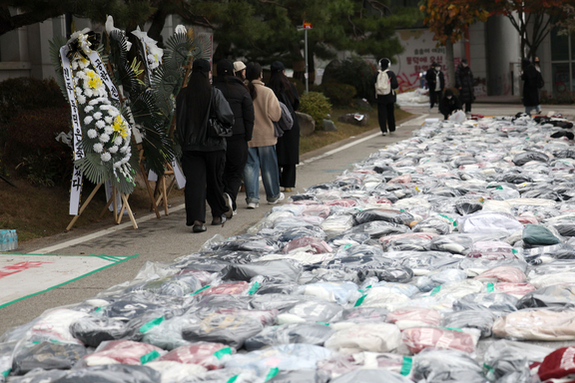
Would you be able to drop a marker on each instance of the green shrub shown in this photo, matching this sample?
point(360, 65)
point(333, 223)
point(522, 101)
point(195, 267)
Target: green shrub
point(26, 93)
point(339, 94)
point(316, 105)
point(353, 71)
point(31, 148)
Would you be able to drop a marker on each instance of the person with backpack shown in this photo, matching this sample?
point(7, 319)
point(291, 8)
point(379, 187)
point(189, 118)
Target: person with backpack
point(288, 144)
point(436, 84)
point(385, 83)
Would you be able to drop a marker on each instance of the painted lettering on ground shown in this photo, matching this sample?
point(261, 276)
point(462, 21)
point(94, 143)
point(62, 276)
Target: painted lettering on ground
point(19, 267)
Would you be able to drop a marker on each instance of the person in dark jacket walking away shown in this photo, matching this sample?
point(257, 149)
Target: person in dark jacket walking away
point(436, 83)
point(287, 147)
point(203, 151)
point(464, 82)
point(532, 82)
point(449, 103)
point(385, 83)
point(238, 96)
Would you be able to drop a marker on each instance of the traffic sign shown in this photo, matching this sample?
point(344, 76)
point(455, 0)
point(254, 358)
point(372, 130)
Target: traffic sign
point(307, 25)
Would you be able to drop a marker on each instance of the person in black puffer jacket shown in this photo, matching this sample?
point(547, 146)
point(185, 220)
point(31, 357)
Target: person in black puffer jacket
point(203, 151)
point(449, 103)
point(238, 96)
point(464, 82)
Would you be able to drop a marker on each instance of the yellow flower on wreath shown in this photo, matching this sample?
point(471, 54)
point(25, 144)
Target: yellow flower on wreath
point(94, 80)
point(120, 126)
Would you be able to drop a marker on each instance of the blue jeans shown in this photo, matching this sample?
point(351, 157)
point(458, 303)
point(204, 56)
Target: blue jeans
point(264, 158)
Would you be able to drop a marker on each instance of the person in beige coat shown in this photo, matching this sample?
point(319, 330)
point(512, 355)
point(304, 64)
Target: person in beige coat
point(262, 147)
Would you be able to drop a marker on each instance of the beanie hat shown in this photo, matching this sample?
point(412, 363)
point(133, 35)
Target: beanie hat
point(558, 364)
point(277, 66)
point(435, 64)
point(238, 66)
point(225, 67)
point(464, 61)
point(201, 65)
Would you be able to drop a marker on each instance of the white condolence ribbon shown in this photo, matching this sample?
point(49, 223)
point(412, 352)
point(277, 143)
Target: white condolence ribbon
point(76, 130)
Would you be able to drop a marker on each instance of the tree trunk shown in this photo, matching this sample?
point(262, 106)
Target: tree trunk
point(450, 83)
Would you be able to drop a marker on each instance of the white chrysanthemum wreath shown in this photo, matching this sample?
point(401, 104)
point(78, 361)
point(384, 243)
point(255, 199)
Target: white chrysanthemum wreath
point(107, 133)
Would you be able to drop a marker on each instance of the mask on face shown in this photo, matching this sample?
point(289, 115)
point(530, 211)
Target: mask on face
point(464, 65)
point(449, 97)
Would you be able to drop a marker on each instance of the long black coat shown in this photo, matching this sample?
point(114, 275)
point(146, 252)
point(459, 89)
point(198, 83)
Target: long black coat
point(533, 81)
point(287, 147)
point(241, 103)
point(464, 82)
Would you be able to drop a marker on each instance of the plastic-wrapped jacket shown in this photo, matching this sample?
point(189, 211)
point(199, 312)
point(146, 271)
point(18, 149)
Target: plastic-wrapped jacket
point(46, 355)
point(394, 216)
point(558, 296)
point(371, 376)
point(93, 330)
point(282, 270)
point(112, 373)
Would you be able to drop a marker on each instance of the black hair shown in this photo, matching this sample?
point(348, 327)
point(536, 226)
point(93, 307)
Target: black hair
point(279, 83)
point(253, 72)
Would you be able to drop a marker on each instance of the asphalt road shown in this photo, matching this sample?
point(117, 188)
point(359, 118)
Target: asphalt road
point(167, 238)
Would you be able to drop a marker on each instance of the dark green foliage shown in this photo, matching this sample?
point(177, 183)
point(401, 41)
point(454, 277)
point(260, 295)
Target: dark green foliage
point(339, 94)
point(353, 71)
point(26, 93)
point(29, 144)
point(316, 105)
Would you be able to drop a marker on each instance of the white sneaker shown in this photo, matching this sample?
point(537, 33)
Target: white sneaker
point(230, 212)
point(253, 205)
point(280, 198)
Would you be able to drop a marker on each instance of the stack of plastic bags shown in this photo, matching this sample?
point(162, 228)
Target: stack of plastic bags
point(440, 258)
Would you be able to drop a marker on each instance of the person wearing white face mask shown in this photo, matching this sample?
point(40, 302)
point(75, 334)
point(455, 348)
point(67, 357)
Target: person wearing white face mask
point(464, 82)
point(449, 104)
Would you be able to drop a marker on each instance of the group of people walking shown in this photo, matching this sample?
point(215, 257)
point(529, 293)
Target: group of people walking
point(446, 100)
point(215, 167)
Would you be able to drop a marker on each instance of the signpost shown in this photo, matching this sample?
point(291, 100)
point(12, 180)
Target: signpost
point(306, 26)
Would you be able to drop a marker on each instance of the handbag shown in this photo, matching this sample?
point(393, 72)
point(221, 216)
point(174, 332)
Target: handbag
point(285, 122)
point(220, 129)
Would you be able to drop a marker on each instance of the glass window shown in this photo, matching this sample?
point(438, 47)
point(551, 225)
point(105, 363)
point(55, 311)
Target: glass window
point(560, 78)
point(559, 46)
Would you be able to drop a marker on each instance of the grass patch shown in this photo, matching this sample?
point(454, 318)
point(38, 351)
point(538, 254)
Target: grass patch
point(319, 138)
point(35, 211)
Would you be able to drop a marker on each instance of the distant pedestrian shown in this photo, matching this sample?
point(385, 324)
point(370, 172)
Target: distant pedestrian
point(464, 82)
point(262, 147)
point(532, 82)
point(203, 151)
point(538, 67)
point(436, 83)
point(449, 104)
point(288, 145)
point(385, 83)
point(238, 96)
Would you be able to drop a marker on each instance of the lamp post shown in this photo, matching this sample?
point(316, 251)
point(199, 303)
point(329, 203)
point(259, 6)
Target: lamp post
point(306, 26)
